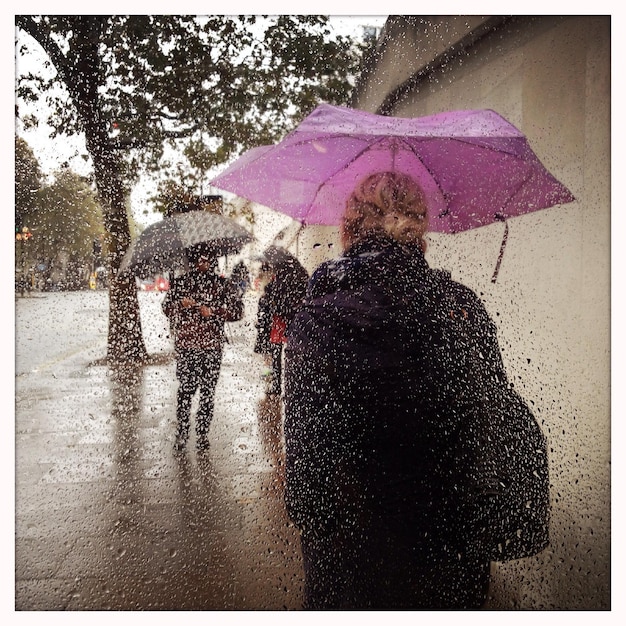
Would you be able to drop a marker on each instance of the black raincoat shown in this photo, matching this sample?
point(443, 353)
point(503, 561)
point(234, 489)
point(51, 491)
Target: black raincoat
point(376, 394)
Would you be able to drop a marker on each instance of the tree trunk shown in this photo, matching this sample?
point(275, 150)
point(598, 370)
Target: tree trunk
point(125, 339)
point(80, 70)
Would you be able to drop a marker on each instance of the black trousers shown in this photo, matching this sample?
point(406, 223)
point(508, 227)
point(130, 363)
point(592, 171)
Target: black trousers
point(364, 573)
point(276, 351)
point(196, 370)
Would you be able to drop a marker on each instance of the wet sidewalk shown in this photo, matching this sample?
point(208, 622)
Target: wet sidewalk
point(107, 516)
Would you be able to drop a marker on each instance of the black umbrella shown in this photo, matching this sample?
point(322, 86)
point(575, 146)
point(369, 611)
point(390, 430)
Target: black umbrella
point(165, 246)
point(290, 279)
point(277, 255)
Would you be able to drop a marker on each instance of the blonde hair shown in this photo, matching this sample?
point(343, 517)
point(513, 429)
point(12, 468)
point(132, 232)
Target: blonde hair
point(386, 203)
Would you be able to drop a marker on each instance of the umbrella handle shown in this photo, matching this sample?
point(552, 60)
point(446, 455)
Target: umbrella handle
point(502, 246)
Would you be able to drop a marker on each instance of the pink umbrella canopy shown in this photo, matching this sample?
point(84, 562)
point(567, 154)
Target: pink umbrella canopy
point(474, 166)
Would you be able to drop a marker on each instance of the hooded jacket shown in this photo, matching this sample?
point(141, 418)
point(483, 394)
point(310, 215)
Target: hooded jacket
point(377, 390)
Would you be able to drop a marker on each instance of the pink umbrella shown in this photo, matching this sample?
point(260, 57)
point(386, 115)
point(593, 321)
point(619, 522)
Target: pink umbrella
point(475, 167)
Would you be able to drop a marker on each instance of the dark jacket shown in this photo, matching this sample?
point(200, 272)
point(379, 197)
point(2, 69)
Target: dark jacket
point(289, 288)
point(263, 324)
point(191, 330)
point(376, 390)
point(282, 296)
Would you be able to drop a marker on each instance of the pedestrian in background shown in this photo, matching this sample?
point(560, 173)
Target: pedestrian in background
point(263, 323)
point(282, 296)
point(197, 305)
point(376, 394)
point(240, 276)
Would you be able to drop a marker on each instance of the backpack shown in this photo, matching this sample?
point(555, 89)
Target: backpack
point(500, 477)
point(503, 478)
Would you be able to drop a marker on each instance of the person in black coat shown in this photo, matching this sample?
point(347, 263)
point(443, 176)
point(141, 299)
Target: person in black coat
point(375, 395)
point(277, 306)
point(198, 305)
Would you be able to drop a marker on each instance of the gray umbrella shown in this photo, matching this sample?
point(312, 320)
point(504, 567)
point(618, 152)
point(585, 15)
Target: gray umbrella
point(164, 246)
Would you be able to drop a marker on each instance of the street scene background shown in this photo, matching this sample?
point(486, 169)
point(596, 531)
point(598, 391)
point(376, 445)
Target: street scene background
point(78, 520)
point(107, 517)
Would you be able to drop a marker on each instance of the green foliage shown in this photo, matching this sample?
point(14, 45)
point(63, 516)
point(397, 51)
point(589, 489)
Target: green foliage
point(68, 218)
point(28, 182)
point(205, 87)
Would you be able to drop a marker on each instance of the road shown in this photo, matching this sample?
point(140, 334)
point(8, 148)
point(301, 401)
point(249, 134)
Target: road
point(53, 327)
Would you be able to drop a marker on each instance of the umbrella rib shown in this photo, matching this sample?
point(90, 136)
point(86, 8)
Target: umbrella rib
point(465, 141)
point(512, 195)
point(345, 165)
point(378, 139)
point(441, 191)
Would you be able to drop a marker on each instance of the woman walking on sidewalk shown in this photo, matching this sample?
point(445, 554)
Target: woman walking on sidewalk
point(389, 469)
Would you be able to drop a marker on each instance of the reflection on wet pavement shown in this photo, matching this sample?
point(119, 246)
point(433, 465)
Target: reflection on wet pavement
point(109, 517)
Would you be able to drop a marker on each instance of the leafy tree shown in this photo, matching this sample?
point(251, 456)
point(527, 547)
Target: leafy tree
point(28, 182)
point(139, 85)
point(64, 218)
point(69, 219)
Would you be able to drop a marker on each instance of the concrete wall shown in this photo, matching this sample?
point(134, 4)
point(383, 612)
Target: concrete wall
point(549, 76)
